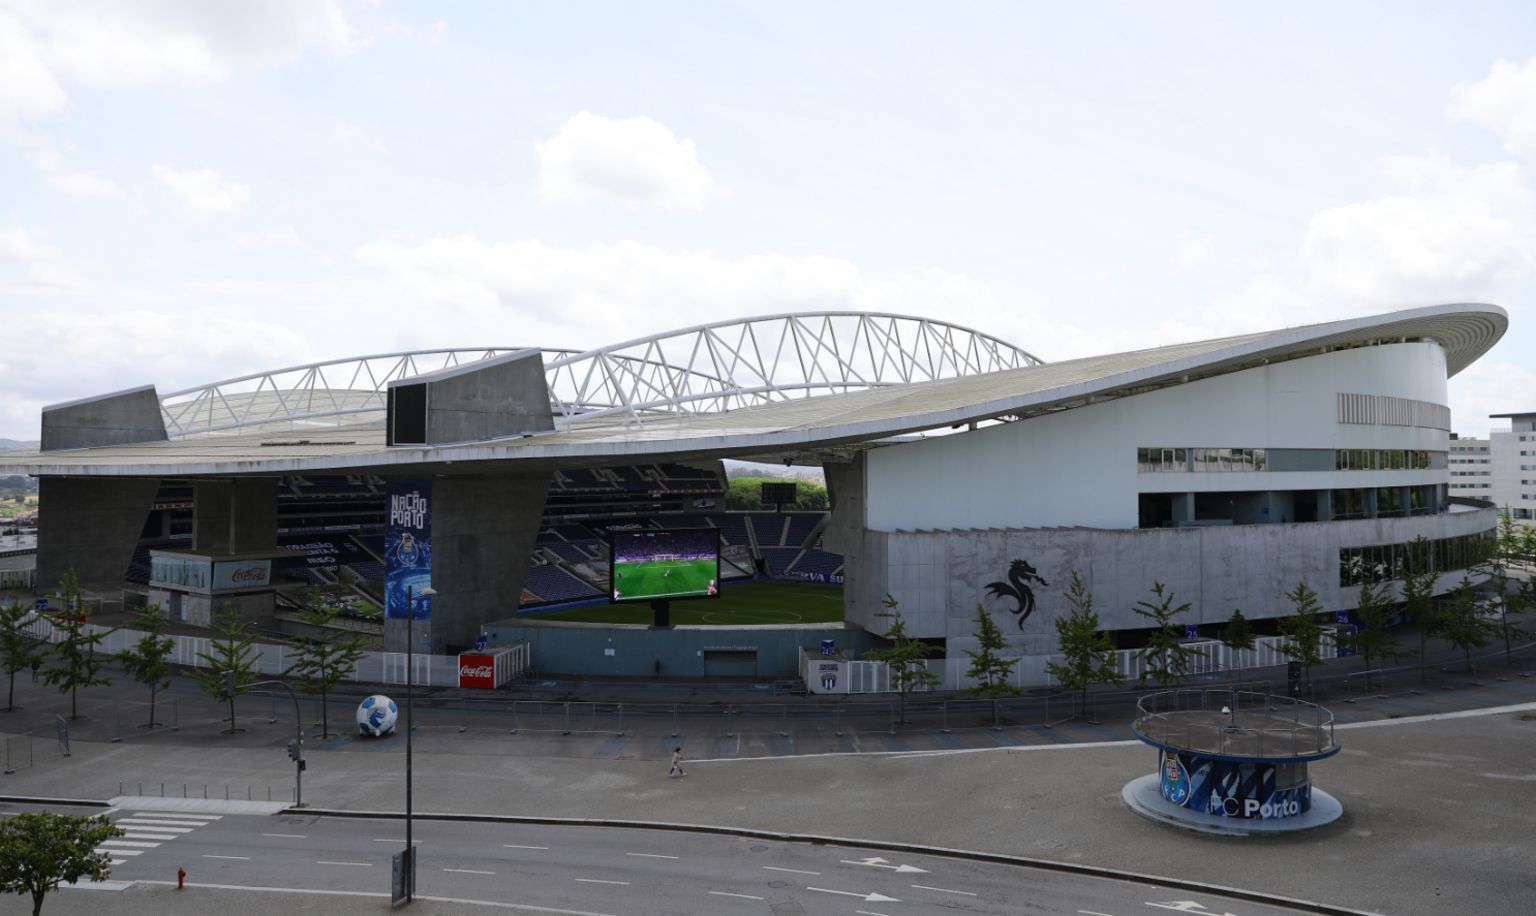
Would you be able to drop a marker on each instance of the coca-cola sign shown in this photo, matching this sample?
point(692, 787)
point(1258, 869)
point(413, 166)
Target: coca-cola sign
point(242, 574)
point(477, 671)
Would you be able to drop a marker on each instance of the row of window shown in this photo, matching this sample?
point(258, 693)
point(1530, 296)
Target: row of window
point(1395, 561)
point(1383, 459)
point(1159, 458)
point(1348, 504)
point(1381, 410)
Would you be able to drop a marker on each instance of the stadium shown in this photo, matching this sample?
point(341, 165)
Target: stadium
point(961, 469)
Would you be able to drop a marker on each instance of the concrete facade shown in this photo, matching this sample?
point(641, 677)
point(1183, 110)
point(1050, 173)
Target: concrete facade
point(633, 651)
point(234, 516)
point(91, 526)
point(940, 577)
point(483, 531)
point(490, 399)
point(120, 418)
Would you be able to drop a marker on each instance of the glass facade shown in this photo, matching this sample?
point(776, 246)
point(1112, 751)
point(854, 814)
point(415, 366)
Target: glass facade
point(1394, 561)
point(1172, 458)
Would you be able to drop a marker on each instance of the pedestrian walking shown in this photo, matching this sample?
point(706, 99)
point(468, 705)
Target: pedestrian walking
point(35, 665)
point(677, 763)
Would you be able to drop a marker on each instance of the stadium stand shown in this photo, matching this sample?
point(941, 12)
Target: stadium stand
point(801, 525)
point(768, 528)
point(817, 562)
point(574, 552)
point(777, 559)
point(551, 583)
point(733, 528)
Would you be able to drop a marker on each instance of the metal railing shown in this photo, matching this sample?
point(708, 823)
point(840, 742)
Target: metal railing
point(1238, 723)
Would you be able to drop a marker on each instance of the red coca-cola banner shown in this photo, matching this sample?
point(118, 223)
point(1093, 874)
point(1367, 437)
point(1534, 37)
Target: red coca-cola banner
point(477, 671)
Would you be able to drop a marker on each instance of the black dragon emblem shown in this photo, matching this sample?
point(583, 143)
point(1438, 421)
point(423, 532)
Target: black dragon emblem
point(1020, 575)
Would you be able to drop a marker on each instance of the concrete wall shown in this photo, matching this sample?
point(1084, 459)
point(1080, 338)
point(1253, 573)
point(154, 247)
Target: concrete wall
point(483, 529)
point(1078, 467)
point(488, 399)
point(121, 418)
point(560, 647)
point(90, 525)
point(234, 516)
point(940, 577)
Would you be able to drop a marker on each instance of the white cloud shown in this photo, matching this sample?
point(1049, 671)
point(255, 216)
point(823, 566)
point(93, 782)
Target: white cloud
point(204, 190)
point(105, 44)
point(637, 159)
point(1446, 232)
point(1505, 102)
point(1194, 250)
point(28, 88)
point(80, 184)
point(39, 265)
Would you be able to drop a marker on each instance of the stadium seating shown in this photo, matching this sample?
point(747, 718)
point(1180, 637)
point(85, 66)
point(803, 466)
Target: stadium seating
point(573, 553)
point(768, 527)
point(551, 583)
point(733, 528)
point(801, 524)
point(817, 562)
point(778, 558)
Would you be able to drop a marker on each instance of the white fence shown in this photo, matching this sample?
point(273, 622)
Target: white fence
point(273, 660)
point(1211, 657)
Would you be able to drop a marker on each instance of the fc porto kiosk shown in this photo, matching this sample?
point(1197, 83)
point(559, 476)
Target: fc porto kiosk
point(1233, 762)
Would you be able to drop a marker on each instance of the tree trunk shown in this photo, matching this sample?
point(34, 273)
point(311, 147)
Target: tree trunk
point(325, 718)
point(152, 693)
point(231, 714)
point(74, 712)
point(37, 902)
point(10, 701)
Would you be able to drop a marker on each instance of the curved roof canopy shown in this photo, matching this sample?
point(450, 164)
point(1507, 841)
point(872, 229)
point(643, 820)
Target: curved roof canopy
point(798, 384)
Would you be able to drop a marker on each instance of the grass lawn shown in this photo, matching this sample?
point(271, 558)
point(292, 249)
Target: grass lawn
point(737, 605)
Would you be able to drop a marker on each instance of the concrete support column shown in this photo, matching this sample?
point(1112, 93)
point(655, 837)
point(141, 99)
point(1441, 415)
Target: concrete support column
point(1370, 502)
point(864, 581)
point(1183, 508)
point(91, 525)
point(1325, 505)
point(483, 531)
point(234, 516)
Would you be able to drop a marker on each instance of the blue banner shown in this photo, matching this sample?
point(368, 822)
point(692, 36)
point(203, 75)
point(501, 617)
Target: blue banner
point(408, 547)
point(1230, 788)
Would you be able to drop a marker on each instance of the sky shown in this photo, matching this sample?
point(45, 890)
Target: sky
point(192, 190)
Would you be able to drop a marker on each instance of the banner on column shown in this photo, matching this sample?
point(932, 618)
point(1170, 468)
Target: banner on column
point(408, 548)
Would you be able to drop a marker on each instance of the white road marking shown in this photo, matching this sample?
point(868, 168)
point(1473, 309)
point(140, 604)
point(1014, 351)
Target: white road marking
point(288, 836)
point(468, 871)
point(1186, 906)
point(180, 816)
point(141, 835)
point(877, 862)
point(650, 855)
point(118, 861)
point(495, 904)
point(130, 843)
point(599, 881)
point(242, 858)
point(793, 871)
point(121, 852)
point(515, 846)
point(868, 913)
point(742, 896)
point(157, 826)
point(1093, 913)
point(943, 890)
point(867, 898)
point(395, 839)
point(355, 864)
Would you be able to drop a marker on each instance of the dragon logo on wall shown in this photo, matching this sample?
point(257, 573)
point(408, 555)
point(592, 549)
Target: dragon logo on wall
point(1020, 575)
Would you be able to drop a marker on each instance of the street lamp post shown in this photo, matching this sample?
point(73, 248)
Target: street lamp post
point(410, 695)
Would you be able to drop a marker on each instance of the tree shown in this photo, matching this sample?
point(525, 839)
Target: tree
point(146, 662)
point(990, 670)
point(1237, 636)
point(39, 851)
point(74, 660)
point(1371, 639)
point(1464, 620)
point(1164, 657)
point(231, 662)
point(1508, 550)
point(905, 657)
point(1088, 655)
point(324, 659)
point(1419, 579)
point(1304, 635)
point(18, 651)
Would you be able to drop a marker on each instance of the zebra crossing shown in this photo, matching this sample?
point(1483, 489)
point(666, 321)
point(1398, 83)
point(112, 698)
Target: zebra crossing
point(148, 830)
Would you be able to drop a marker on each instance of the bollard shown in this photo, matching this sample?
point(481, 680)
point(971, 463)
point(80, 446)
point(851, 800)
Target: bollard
point(181, 878)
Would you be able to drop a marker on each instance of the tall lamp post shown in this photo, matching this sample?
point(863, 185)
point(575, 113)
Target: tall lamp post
point(410, 695)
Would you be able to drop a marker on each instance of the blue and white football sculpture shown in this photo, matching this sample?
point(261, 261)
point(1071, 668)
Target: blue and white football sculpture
point(376, 716)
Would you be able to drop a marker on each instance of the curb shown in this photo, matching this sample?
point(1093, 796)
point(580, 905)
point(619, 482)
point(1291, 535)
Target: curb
point(1094, 871)
point(44, 800)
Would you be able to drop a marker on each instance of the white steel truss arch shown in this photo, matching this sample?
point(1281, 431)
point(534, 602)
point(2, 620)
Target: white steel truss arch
point(708, 368)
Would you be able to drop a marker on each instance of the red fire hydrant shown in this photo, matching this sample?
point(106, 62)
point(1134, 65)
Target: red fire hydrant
point(181, 879)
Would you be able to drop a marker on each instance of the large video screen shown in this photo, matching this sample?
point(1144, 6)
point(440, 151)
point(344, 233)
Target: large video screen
point(651, 563)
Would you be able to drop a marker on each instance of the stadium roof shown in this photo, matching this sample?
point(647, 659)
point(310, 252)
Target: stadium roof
point(809, 386)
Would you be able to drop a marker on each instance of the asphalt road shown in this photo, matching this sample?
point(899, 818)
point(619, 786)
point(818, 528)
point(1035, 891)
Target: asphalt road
point(587, 871)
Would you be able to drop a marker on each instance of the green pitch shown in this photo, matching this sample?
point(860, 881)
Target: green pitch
point(738, 605)
point(663, 578)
